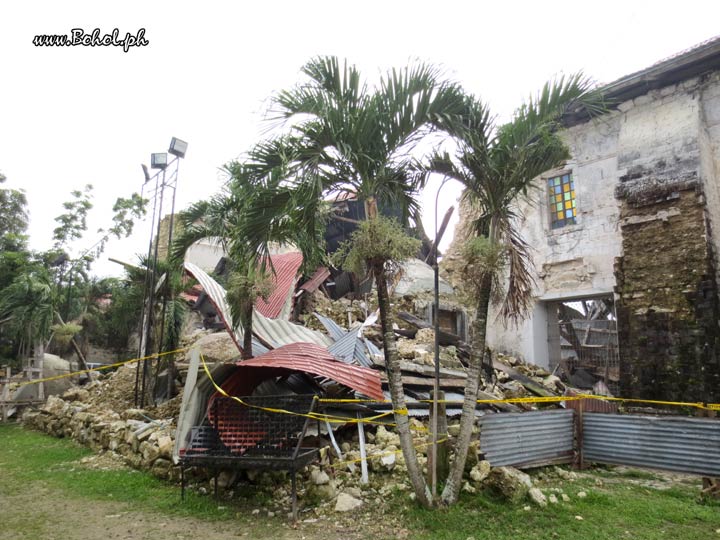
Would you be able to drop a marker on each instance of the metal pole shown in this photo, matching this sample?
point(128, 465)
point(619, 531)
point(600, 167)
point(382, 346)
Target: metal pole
point(151, 292)
point(171, 359)
point(436, 384)
point(161, 343)
point(144, 313)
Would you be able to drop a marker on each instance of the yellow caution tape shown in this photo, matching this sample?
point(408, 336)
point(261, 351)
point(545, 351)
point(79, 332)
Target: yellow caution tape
point(545, 399)
point(101, 368)
point(404, 411)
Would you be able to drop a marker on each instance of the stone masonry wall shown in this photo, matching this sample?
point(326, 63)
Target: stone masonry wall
point(667, 301)
point(667, 298)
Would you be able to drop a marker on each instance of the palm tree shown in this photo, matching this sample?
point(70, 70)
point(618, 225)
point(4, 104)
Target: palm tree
point(28, 307)
point(343, 136)
point(224, 219)
point(497, 166)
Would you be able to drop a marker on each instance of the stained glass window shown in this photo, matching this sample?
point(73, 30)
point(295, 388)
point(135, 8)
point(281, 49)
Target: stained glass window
point(561, 191)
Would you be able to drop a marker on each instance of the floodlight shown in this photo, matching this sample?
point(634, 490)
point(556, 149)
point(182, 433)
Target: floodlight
point(159, 161)
point(178, 147)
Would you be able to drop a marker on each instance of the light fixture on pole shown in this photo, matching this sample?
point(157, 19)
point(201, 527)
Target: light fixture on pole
point(159, 161)
point(178, 148)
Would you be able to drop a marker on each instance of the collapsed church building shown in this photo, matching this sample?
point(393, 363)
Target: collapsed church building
point(625, 240)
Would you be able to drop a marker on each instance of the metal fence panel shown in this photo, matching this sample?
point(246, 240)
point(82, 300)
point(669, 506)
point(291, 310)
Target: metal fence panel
point(690, 445)
point(527, 439)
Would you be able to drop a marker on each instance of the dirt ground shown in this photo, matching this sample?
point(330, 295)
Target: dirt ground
point(37, 511)
point(41, 513)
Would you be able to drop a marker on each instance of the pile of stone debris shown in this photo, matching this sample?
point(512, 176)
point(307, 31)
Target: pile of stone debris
point(102, 416)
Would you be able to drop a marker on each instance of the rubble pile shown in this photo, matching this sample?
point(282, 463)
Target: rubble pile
point(102, 416)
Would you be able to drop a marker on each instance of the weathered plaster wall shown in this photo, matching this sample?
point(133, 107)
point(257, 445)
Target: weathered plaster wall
point(575, 260)
point(709, 140)
point(648, 200)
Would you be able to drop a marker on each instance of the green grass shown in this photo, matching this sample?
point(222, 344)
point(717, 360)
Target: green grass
point(611, 511)
point(617, 505)
point(28, 457)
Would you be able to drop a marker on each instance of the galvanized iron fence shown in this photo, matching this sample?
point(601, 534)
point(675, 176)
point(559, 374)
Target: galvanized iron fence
point(689, 445)
point(679, 444)
point(528, 439)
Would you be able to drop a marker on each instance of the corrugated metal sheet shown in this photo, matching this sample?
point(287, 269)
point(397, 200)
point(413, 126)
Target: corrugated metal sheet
point(314, 359)
point(217, 296)
point(278, 333)
point(334, 329)
point(527, 439)
point(351, 349)
point(274, 332)
point(690, 445)
point(317, 279)
point(284, 276)
point(344, 348)
point(372, 349)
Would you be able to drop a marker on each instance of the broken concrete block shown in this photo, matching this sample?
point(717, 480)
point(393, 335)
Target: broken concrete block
point(165, 444)
point(346, 503)
point(537, 496)
point(480, 471)
point(319, 477)
point(383, 437)
point(509, 482)
point(76, 394)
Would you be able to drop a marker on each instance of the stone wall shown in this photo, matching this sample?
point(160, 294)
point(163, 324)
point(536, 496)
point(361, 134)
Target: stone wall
point(667, 304)
point(141, 443)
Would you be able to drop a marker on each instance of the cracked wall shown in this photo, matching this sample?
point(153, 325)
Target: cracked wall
point(648, 199)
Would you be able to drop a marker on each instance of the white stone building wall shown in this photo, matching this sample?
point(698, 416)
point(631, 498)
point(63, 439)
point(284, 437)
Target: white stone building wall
point(674, 130)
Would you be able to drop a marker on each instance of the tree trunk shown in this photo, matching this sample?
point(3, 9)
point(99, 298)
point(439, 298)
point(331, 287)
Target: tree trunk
point(371, 208)
point(76, 348)
point(247, 316)
point(392, 363)
point(467, 421)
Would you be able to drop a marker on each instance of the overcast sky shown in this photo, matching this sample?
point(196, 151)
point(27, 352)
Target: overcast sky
point(76, 115)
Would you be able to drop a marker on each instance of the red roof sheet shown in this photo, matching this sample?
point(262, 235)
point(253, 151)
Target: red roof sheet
point(305, 357)
point(286, 268)
point(317, 279)
point(309, 358)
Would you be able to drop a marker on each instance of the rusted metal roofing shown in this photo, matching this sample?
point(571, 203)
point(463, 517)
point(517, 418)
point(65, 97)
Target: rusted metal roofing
point(271, 331)
point(317, 279)
point(284, 276)
point(307, 358)
point(590, 405)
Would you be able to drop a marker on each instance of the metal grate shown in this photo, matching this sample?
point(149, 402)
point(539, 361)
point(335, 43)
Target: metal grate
point(253, 429)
